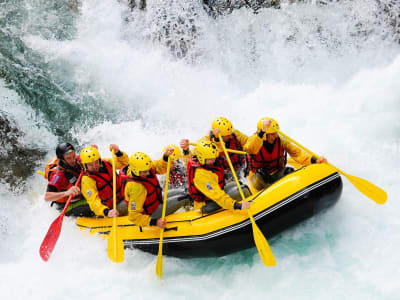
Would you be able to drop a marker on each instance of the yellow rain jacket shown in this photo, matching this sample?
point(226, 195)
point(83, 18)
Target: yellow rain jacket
point(137, 193)
point(207, 183)
point(89, 186)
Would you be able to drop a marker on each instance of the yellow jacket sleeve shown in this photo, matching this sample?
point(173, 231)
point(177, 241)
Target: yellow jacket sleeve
point(242, 138)
point(135, 194)
point(159, 166)
point(91, 194)
point(207, 183)
point(298, 154)
point(253, 144)
point(120, 161)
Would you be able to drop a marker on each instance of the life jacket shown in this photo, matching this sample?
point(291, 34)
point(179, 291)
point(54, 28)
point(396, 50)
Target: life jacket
point(56, 164)
point(217, 168)
point(71, 174)
point(270, 162)
point(104, 183)
point(237, 160)
point(154, 191)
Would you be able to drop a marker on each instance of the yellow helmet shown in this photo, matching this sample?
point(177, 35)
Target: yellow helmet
point(177, 154)
point(222, 124)
point(89, 154)
point(206, 150)
point(274, 127)
point(139, 161)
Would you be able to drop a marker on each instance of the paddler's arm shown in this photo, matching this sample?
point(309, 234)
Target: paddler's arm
point(160, 166)
point(58, 182)
point(122, 159)
point(207, 183)
point(135, 194)
point(254, 143)
point(89, 191)
point(242, 138)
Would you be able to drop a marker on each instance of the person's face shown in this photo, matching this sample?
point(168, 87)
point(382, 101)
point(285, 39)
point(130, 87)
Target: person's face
point(70, 158)
point(144, 174)
point(227, 138)
point(93, 166)
point(271, 137)
point(210, 161)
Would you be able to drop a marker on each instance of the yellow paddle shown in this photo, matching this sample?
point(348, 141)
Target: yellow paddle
point(159, 258)
point(262, 245)
point(115, 248)
point(364, 186)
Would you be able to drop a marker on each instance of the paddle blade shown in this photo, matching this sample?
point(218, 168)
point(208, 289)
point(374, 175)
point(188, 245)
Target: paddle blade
point(159, 265)
point(262, 245)
point(115, 248)
point(367, 188)
point(50, 240)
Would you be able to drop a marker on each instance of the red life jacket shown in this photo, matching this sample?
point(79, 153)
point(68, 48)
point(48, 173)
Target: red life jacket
point(56, 164)
point(154, 191)
point(270, 162)
point(216, 168)
point(236, 159)
point(104, 183)
point(71, 174)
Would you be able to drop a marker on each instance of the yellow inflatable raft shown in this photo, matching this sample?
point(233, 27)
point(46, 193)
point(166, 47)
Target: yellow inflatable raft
point(288, 201)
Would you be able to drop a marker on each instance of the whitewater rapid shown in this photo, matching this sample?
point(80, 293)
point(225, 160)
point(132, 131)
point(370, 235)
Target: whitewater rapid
point(333, 90)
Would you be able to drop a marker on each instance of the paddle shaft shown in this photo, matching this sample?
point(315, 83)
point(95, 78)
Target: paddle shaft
point(115, 245)
point(114, 228)
point(159, 257)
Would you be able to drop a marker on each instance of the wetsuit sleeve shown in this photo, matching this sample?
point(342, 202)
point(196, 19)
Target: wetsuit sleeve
point(135, 194)
point(120, 161)
point(242, 138)
point(159, 166)
point(207, 183)
point(298, 154)
point(253, 144)
point(89, 191)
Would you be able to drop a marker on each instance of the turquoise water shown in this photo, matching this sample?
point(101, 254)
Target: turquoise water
point(98, 73)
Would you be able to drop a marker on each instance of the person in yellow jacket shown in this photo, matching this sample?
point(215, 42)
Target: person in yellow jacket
point(97, 181)
point(206, 177)
point(268, 154)
point(143, 192)
point(233, 139)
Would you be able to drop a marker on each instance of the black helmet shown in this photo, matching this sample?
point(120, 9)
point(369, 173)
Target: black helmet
point(63, 149)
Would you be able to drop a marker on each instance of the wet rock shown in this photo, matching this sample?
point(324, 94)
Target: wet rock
point(17, 161)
